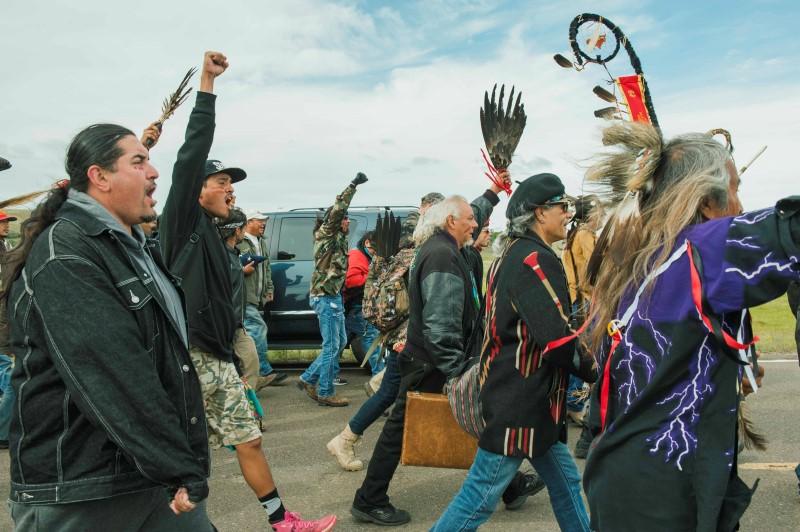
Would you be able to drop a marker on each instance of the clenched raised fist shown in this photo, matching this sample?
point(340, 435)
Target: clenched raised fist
point(214, 63)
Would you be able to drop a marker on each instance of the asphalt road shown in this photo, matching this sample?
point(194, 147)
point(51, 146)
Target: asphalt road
point(311, 483)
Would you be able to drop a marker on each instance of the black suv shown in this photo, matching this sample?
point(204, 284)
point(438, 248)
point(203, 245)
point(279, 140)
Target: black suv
point(291, 321)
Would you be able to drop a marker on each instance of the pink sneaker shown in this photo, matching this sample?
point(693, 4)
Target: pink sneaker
point(293, 523)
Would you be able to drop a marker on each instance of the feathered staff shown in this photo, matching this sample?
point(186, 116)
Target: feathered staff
point(637, 102)
point(172, 102)
point(386, 237)
point(502, 129)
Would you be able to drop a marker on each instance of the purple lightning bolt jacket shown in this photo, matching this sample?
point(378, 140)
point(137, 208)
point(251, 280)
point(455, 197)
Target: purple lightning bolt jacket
point(667, 457)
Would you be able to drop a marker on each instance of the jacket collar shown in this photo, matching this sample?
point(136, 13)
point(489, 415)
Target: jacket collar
point(91, 225)
point(447, 236)
point(538, 240)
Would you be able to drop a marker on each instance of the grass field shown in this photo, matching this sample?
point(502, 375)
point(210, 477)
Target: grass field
point(774, 324)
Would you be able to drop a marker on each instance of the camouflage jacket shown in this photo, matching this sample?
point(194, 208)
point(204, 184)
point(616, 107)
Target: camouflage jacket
point(407, 229)
point(330, 249)
point(387, 270)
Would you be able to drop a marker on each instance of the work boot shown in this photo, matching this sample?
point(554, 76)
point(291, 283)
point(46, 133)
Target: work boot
point(310, 389)
point(372, 385)
point(266, 380)
point(332, 400)
point(343, 448)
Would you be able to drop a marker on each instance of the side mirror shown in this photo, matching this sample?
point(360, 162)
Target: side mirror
point(285, 255)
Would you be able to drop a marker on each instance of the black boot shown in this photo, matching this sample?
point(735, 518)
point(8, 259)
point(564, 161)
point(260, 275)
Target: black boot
point(584, 443)
point(522, 486)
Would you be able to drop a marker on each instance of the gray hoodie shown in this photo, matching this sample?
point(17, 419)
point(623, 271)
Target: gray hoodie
point(135, 246)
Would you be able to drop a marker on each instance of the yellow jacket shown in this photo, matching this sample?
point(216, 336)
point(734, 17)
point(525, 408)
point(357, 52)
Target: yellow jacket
point(582, 247)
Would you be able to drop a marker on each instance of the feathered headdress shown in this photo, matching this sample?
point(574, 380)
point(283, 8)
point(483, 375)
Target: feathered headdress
point(624, 180)
point(502, 129)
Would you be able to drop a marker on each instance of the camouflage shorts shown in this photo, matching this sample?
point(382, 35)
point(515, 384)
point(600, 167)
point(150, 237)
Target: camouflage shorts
point(228, 414)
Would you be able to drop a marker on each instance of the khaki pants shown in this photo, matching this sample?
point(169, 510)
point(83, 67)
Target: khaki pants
point(245, 349)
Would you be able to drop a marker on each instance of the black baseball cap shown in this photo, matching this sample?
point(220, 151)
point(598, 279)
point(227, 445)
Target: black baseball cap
point(537, 190)
point(215, 166)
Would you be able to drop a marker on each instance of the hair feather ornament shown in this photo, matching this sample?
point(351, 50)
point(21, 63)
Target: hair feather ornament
point(502, 130)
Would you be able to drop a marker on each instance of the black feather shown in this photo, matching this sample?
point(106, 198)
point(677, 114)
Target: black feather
point(386, 237)
point(502, 127)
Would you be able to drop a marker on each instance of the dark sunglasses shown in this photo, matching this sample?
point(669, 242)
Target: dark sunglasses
point(566, 206)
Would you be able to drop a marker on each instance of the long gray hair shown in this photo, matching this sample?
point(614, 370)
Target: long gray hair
point(435, 218)
point(515, 228)
point(663, 186)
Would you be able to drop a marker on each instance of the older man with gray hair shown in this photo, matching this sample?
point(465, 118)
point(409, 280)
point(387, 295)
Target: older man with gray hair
point(259, 292)
point(443, 310)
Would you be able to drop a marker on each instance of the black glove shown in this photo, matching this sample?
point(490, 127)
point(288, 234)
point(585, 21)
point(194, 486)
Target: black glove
point(360, 178)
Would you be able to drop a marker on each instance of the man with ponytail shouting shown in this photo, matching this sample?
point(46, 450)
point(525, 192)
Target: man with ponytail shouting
point(109, 429)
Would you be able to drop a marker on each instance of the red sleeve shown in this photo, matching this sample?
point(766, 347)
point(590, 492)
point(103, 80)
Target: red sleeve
point(357, 269)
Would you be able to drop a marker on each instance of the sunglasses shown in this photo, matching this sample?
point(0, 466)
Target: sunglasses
point(566, 206)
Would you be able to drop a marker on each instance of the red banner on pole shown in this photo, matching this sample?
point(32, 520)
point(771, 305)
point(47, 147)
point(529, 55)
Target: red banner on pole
point(632, 90)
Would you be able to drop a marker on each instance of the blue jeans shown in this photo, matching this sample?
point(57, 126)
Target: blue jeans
point(256, 329)
point(323, 370)
point(7, 400)
point(490, 474)
point(381, 400)
point(356, 324)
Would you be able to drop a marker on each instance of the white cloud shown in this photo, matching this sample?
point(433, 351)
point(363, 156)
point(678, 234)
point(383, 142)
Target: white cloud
point(318, 91)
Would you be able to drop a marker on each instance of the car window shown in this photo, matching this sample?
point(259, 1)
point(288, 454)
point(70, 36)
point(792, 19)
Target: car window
point(296, 239)
point(355, 231)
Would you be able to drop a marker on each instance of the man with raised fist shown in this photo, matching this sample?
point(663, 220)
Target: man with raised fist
point(202, 192)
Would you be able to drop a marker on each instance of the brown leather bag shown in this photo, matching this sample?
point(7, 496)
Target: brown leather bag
point(431, 436)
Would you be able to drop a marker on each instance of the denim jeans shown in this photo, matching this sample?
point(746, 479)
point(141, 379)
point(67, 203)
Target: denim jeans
point(487, 479)
point(323, 370)
point(356, 326)
point(381, 400)
point(256, 329)
point(7, 399)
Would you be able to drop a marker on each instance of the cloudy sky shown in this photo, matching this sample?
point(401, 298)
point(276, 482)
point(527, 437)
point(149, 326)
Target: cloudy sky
point(318, 90)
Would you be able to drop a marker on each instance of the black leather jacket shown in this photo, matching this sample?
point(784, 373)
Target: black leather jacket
point(108, 401)
point(443, 305)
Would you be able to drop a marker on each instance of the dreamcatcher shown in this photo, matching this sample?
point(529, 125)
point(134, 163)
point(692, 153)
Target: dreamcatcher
point(595, 39)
